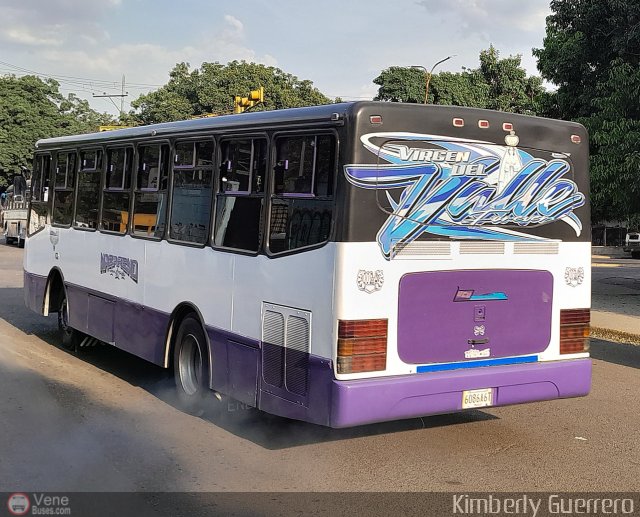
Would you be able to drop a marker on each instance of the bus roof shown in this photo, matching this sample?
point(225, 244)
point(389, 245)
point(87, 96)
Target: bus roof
point(291, 116)
point(266, 118)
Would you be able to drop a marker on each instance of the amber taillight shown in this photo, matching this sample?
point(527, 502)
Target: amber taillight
point(362, 345)
point(574, 330)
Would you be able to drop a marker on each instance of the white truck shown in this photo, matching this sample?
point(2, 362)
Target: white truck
point(14, 212)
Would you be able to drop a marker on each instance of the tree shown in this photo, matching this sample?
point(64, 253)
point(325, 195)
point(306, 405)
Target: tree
point(31, 109)
point(211, 88)
point(592, 53)
point(500, 84)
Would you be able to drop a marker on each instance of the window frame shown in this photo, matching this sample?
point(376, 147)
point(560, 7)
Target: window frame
point(126, 146)
point(134, 183)
point(95, 170)
point(318, 131)
point(172, 154)
point(259, 135)
point(54, 166)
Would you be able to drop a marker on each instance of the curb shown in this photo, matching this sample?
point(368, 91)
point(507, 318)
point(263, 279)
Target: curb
point(615, 335)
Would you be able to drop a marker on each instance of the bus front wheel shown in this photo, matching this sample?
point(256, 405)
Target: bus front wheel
point(191, 365)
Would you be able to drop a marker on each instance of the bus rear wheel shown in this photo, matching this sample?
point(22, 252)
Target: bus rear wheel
point(191, 365)
point(70, 337)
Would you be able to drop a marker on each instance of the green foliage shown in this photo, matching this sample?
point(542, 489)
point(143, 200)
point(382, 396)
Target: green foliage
point(31, 109)
point(210, 89)
point(592, 53)
point(500, 84)
point(400, 84)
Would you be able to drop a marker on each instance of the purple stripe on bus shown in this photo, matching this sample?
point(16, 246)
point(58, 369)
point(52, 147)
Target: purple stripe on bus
point(375, 400)
point(435, 327)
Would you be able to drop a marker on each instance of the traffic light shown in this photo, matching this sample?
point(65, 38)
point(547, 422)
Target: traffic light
point(256, 95)
point(242, 103)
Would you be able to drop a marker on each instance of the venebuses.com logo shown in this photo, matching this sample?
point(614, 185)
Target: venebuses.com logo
point(38, 504)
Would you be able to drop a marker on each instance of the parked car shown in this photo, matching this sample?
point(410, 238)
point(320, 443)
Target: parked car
point(632, 244)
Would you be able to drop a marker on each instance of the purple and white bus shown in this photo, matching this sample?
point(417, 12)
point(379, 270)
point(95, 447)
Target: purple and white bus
point(341, 264)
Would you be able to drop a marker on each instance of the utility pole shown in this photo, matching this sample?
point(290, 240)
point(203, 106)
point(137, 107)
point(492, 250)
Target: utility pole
point(114, 95)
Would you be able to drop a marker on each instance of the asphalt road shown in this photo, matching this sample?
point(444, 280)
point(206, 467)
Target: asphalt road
point(105, 421)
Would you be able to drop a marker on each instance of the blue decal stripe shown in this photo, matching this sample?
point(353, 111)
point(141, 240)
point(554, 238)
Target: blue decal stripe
point(503, 361)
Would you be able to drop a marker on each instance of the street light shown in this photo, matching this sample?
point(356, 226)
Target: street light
point(429, 74)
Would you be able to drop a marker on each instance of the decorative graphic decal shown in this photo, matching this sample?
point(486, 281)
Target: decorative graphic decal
point(464, 189)
point(467, 295)
point(370, 281)
point(478, 330)
point(574, 276)
point(119, 267)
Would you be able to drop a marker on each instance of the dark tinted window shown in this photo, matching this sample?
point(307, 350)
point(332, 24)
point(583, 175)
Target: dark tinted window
point(150, 197)
point(64, 183)
point(88, 197)
point(305, 165)
point(192, 192)
point(117, 197)
point(40, 178)
point(239, 205)
point(39, 214)
point(302, 204)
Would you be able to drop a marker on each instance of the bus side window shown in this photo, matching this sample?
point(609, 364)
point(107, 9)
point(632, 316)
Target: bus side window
point(150, 196)
point(39, 214)
point(116, 196)
point(192, 190)
point(240, 200)
point(302, 200)
point(63, 188)
point(88, 198)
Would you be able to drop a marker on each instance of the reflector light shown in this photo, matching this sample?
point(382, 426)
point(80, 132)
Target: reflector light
point(574, 330)
point(483, 124)
point(507, 126)
point(576, 139)
point(458, 122)
point(375, 119)
point(362, 345)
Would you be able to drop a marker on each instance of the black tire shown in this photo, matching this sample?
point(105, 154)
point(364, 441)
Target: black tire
point(20, 243)
point(191, 366)
point(69, 336)
point(635, 254)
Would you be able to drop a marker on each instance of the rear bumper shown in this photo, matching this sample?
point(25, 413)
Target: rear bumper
point(376, 400)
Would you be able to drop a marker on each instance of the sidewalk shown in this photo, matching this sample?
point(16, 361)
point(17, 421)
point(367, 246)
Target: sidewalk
point(615, 304)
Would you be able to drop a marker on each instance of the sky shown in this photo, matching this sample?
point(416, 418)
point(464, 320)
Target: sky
point(340, 45)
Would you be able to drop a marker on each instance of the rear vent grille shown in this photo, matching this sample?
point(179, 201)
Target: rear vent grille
point(424, 249)
point(484, 248)
point(286, 336)
point(297, 355)
point(273, 348)
point(535, 248)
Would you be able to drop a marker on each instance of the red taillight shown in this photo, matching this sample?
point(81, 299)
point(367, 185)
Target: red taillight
point(574, 330)
point(483, 124)
point(458, 122)
point(362, 345)
point(576, 139)
point(507, 126)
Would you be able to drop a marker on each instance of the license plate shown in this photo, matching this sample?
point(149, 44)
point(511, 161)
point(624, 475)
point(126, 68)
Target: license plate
point(477, 398)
